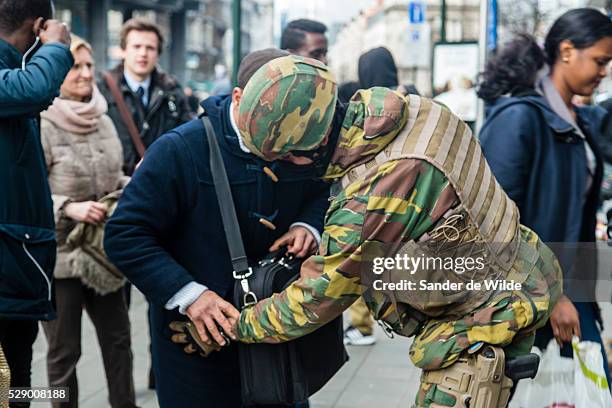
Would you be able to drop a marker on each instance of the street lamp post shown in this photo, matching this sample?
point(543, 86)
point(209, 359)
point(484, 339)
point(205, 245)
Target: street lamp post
point(443, 21)
point(485, 9)
point(237, 49)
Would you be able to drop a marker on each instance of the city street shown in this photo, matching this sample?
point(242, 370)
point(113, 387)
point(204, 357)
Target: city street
point(168, 143)
point(381, 375)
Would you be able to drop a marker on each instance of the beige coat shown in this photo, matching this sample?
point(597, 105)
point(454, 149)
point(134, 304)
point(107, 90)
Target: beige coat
point(81, 167)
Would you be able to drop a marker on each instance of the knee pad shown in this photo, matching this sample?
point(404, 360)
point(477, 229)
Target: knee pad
point(475, 381)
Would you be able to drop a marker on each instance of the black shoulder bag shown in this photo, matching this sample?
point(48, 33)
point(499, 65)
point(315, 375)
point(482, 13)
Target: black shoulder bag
point(285, 373)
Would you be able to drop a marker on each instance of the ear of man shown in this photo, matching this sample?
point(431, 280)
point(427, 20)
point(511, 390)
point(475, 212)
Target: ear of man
point(38, 25)
point(236, 96)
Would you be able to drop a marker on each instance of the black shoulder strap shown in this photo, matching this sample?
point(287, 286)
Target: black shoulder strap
point(226, 202)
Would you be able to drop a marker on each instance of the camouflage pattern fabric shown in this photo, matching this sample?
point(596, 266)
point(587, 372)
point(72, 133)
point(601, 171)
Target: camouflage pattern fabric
point(400, 199)
point(505, 314)
point(373, 120)
point(287, 105)
point(394, 198)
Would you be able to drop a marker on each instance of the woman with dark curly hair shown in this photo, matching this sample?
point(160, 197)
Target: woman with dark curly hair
point(543, 151)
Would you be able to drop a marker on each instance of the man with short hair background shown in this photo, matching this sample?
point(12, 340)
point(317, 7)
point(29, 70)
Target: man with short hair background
point(27, 228)
point(155, 99)
point(305, 38)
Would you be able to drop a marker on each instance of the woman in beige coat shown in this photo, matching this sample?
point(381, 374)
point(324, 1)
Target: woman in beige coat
point(84, 159)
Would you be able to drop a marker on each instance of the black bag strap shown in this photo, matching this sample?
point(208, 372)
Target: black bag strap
point(240, 263)
point(225, 200)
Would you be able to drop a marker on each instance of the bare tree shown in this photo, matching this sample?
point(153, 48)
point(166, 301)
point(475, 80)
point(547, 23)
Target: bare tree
point(522, 16)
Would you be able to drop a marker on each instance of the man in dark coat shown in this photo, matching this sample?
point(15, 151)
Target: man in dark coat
point(155, 99)
point(167, 235)
point(27, 237)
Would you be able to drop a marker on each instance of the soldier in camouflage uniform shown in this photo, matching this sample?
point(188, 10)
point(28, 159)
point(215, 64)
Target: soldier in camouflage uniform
point(409, 171)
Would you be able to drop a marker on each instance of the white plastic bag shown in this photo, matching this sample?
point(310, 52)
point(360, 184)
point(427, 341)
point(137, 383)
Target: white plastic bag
point(563, 382)
point(590, 384)
point(553, 385)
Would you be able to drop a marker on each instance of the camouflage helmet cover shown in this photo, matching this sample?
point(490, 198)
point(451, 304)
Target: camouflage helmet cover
point(288, 105)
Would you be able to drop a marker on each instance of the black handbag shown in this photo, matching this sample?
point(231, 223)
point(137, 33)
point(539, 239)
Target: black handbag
point(272, 374)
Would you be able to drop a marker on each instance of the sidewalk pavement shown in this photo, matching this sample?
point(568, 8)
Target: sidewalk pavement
point(379, 375)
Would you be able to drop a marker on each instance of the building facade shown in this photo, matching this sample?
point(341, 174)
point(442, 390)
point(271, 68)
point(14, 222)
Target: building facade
point(198, 33)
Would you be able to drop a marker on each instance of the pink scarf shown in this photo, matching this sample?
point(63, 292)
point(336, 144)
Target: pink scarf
point(75, 116)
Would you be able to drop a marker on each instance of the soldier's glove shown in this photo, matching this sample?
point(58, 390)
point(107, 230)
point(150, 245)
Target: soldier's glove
point(187, 334)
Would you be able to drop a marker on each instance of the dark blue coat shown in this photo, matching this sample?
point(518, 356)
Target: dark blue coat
point(167, 232)
point(541, 163)
point(27, 230)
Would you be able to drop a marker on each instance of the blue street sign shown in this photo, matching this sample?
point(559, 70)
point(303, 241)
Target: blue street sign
point(492, 26)
point(416, 11)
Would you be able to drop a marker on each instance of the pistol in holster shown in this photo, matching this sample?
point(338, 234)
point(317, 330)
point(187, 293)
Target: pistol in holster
point(483, 379)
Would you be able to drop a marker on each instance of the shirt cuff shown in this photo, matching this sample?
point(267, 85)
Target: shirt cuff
point(186, 296)
point(310, 228)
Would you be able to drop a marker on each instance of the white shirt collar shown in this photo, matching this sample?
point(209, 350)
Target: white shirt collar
point(243, 147)
point(135, 84)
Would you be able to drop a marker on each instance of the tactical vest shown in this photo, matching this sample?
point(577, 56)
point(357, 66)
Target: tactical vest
point(485, 217)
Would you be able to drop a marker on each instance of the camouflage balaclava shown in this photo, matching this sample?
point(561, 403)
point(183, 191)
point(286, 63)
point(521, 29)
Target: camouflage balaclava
point(374, 117)
point(288, 105)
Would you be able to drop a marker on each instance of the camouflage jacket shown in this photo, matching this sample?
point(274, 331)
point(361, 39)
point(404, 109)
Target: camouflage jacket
point(395, 199)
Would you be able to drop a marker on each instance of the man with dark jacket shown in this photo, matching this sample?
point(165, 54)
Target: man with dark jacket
point(167, 236)
point(27, 237)
point(155, 100)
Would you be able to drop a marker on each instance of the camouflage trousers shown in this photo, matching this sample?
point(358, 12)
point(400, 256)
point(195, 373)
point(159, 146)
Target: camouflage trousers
point(508, 319)
point(360, 316)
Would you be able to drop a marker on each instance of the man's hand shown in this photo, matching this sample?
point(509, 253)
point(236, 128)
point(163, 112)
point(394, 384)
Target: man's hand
point(52, 31)
point(299, 242)
point(90, 212)
point(565, 321)
point(210, 310)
